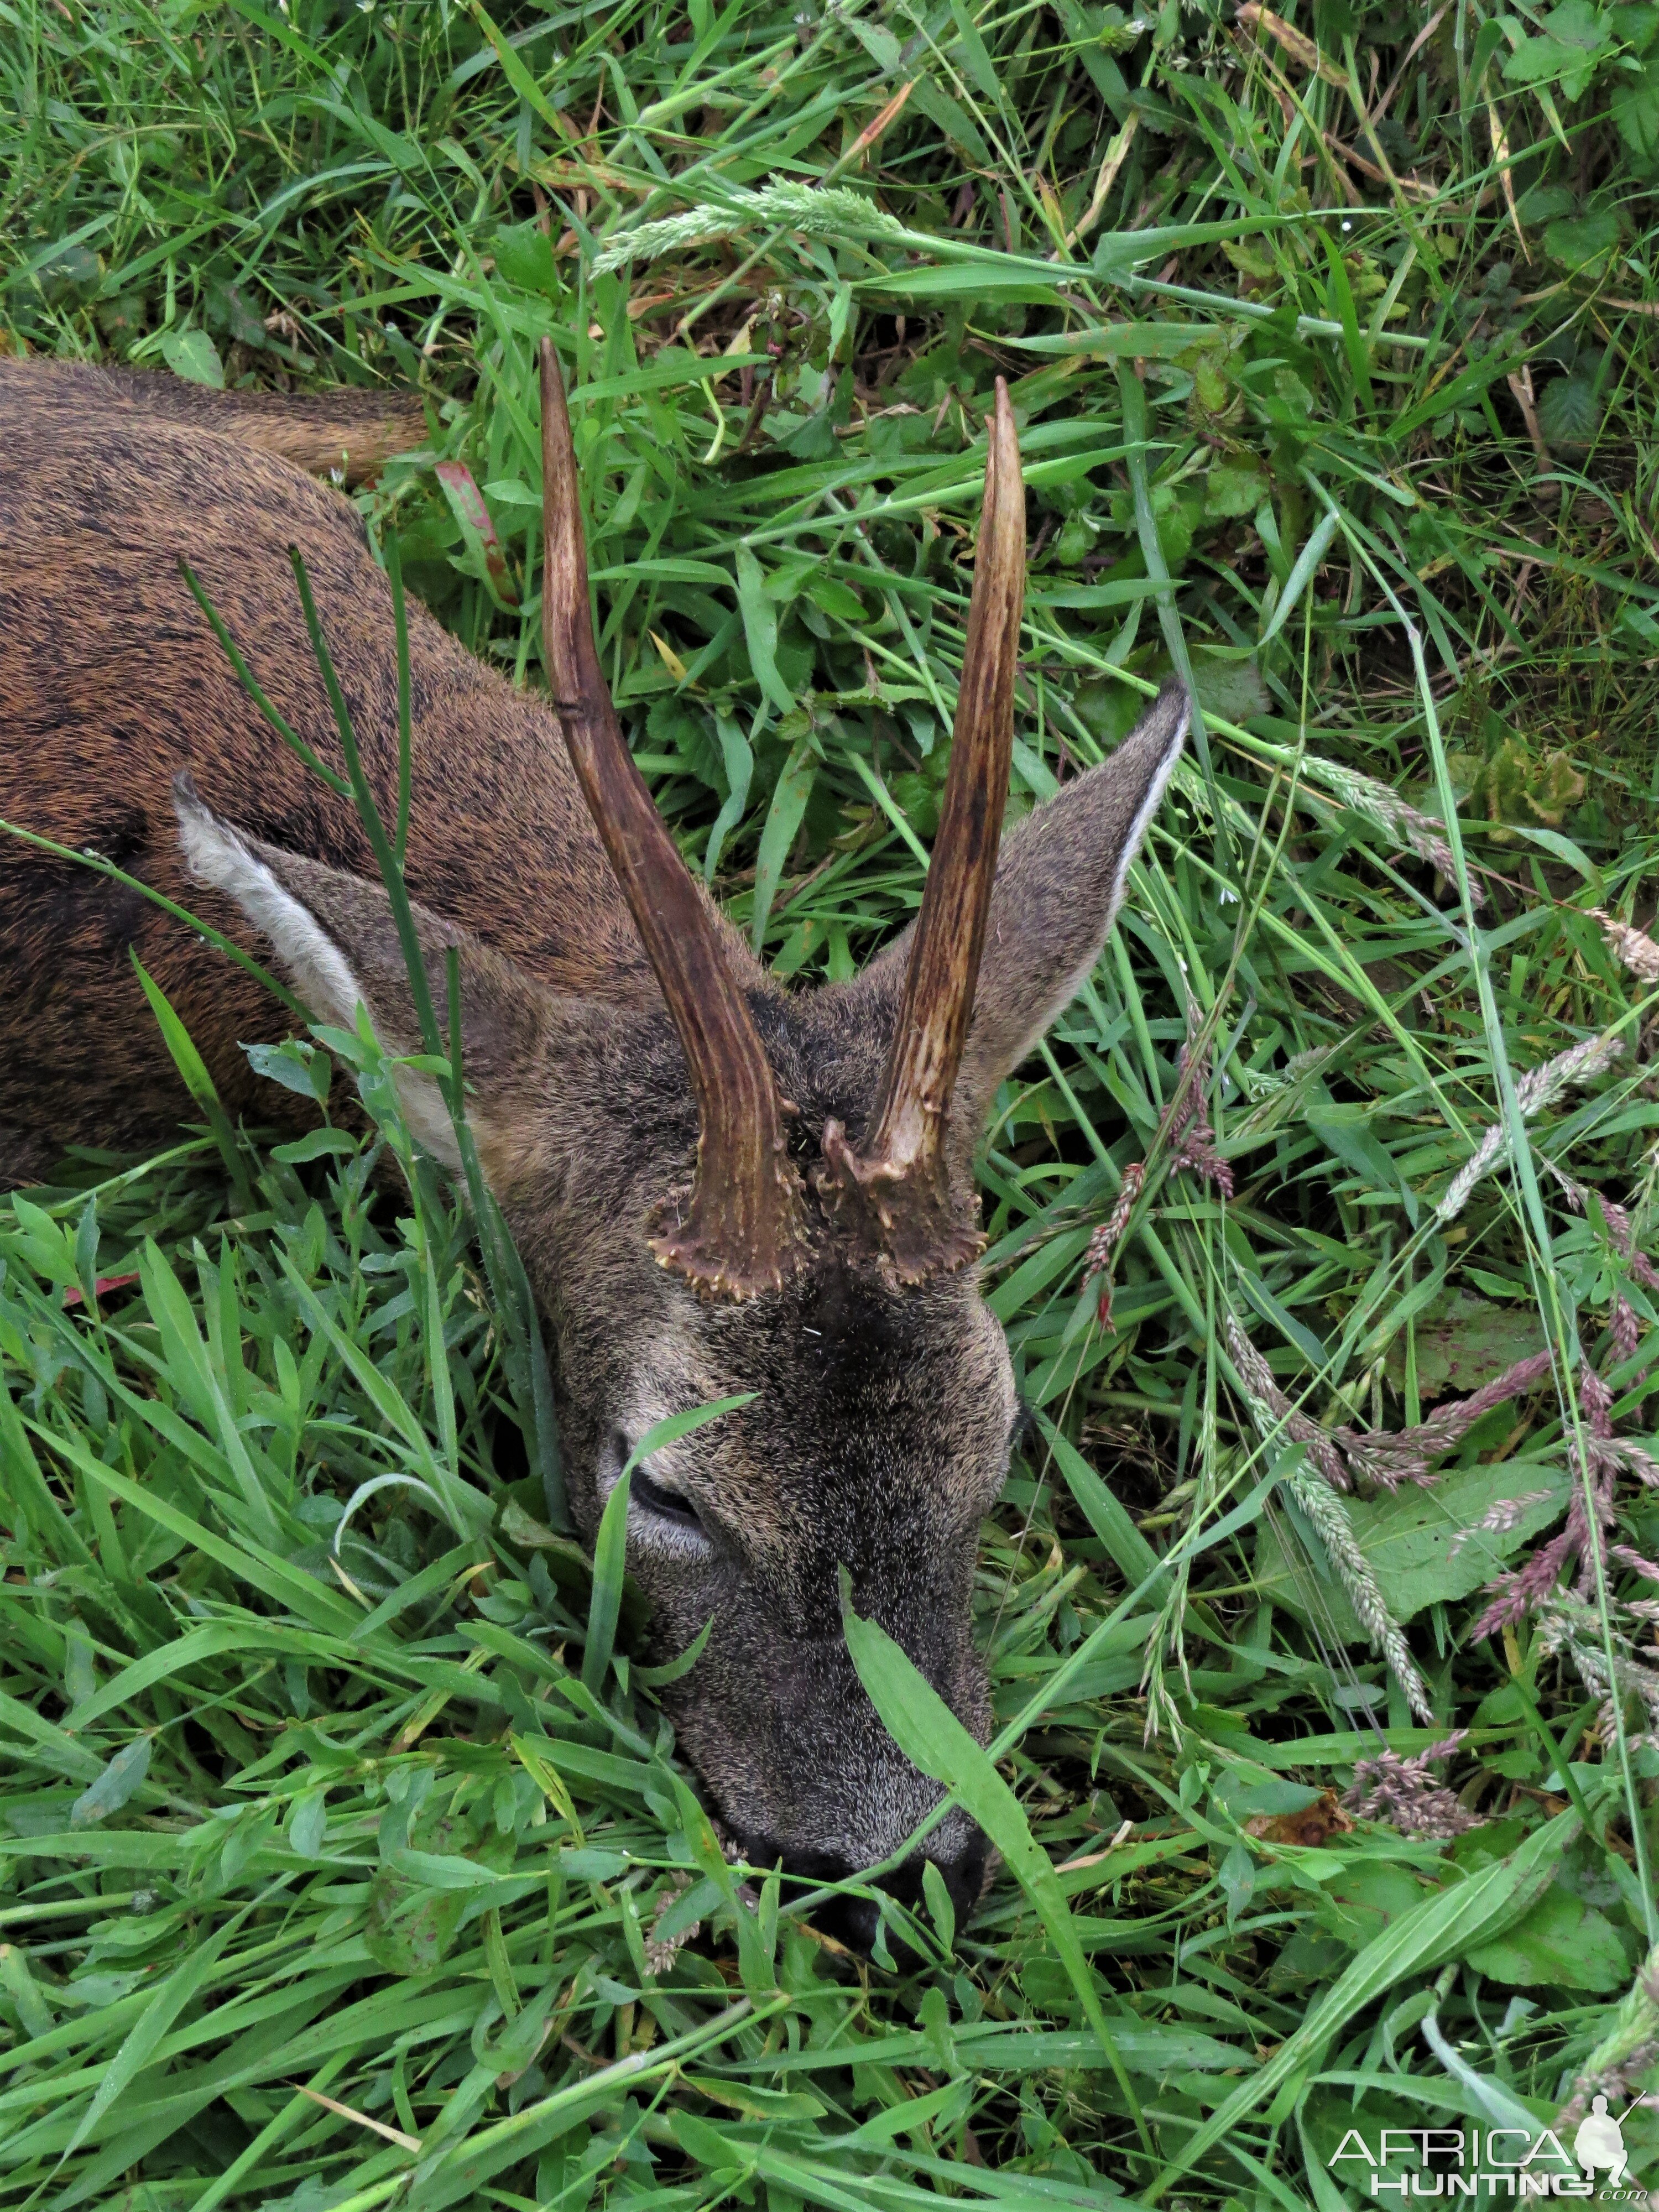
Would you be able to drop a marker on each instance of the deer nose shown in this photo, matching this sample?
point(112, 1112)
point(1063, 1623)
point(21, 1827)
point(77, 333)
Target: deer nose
point(853, 1920)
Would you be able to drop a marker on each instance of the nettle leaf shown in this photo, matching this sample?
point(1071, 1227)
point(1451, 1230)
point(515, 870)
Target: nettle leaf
point(1462, 1341)
point(1583, 241)
point(1562, 1940)
point(405, 1940)
point(1422, 1545)
point(524, 255)
point(1570, 411)
point(193, 355)
point(1366, 1898)
point(1233, 488)
point(1634, 108)
point(1575, 37)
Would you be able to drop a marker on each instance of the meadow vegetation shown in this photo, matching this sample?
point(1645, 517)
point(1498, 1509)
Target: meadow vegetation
point(345, 1861)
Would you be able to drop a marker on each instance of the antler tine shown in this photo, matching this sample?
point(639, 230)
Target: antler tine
point(744, 1224)
point(898, 1188)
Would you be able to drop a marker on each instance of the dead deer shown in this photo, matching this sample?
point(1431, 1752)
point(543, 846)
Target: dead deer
point(717, 1186)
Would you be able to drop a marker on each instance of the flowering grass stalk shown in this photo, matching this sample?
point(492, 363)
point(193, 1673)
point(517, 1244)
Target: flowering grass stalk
point(1537, 1088)
point(1402, 1794)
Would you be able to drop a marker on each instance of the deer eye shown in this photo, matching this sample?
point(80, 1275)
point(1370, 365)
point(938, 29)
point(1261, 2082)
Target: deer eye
point(655, 1510)
point(656, 1498)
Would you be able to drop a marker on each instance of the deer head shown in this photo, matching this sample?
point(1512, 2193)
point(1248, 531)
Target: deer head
point(745, 1191)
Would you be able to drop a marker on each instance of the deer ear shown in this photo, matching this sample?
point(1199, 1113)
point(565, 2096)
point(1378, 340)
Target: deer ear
point(1059, 884)
point(335, 935)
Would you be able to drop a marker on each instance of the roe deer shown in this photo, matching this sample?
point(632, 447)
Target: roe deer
point(717, 1186)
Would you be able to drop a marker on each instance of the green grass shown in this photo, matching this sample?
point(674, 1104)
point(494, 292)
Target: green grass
point(306, 1790)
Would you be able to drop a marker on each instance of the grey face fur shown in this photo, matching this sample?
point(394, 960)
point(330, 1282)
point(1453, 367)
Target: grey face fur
point(880, 1426)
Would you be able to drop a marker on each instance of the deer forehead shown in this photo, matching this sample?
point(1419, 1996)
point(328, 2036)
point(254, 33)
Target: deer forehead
point(861, 1395)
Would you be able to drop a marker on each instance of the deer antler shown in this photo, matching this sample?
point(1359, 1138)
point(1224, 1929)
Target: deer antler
point(745, 1225)
point(896, 1191)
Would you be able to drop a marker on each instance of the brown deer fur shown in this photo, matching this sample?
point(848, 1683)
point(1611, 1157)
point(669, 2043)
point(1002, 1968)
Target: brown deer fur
point(880, 1432)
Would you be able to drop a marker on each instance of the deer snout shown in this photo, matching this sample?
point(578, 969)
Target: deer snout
point(957, 1847)
point(808, 1778)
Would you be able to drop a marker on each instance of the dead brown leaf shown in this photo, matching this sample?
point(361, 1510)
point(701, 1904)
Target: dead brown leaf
point(1313, 1825)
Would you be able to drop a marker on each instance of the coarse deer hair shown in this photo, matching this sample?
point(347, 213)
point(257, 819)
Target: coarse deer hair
point(719, 1188)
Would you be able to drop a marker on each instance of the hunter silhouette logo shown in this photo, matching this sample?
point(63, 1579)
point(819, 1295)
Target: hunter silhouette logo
point(1600, 2142)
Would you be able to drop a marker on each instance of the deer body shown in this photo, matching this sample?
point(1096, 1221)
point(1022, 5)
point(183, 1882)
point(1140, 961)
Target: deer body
point(717, 1187)
point(110, 682)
